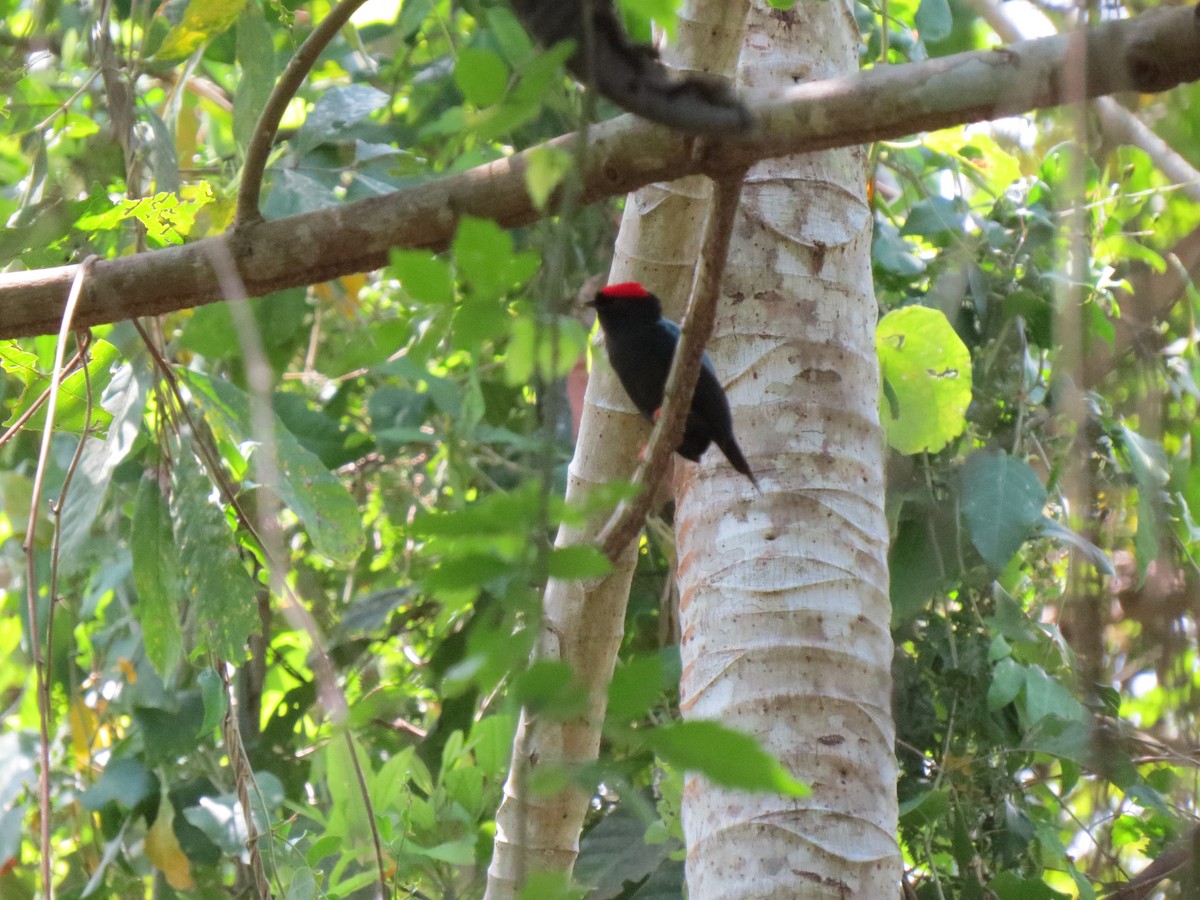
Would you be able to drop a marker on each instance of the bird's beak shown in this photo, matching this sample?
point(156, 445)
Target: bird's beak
point(590, 288)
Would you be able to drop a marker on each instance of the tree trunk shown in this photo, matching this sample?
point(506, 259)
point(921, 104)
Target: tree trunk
point(657, 245)
point(784, 597)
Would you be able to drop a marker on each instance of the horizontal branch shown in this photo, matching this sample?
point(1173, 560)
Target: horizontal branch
point(1152, 52)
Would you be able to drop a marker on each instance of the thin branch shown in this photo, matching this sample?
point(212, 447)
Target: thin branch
point(369, 810)
point(243, 777)
point(41, 675)
point(1152, 52)
point(697, 328)
point(293, 76)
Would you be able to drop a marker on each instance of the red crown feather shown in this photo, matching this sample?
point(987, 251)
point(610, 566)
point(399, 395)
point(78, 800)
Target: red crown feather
point(626, 290)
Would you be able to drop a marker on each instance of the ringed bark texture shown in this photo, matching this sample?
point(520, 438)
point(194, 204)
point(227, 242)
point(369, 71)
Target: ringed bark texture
point(583, 623)
point(784, 605)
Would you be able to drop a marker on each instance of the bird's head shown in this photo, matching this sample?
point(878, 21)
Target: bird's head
point(627, 299)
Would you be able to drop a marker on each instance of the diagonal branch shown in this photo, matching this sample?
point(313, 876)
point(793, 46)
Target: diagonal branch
point(293, 76)
point(1152, 52)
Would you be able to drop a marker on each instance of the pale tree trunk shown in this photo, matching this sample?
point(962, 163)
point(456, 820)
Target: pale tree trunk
point(784, 597)
point(658, 244)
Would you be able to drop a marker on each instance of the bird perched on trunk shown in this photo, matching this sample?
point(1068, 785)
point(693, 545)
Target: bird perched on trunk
point(641, 345)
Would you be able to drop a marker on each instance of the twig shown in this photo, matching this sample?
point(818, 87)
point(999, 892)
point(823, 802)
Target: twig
point(697, 328)
point(243, 776)
point(289, 82)
point(369, 809)
point(41, 678)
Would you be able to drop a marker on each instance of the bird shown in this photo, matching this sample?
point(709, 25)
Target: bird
point(641, 345)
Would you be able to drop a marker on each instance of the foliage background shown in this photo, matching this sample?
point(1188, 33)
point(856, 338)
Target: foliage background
point(350, 567)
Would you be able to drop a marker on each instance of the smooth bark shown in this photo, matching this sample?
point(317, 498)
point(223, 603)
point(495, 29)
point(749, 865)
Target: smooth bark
point(784, 608)
point(583, 624)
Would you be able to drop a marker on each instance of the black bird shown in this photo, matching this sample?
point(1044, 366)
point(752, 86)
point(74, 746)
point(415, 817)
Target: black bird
point(641, 345)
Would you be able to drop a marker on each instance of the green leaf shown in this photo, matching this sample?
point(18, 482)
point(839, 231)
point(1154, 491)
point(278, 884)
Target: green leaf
point(256, 60)
point(550, 689)
point(504, 27)
point(335, 115)
point(540, 75)
point(636, 686)
point(1068, 739)
point(329, 514)
point(423, 276)
point(1054, 529)
point(1011, 886)
point(893, 254)
point(934, 20)
point(482, 250)
point(1002, 501)
point(71, 413)
point(458, 853)
point(156, 579)
point(1007, 680)
point(481, 75)
point(212, 693)
point(550, 886)
point(614, 853)
point(472, 570)
point(578, 561)
point(216, 584)
point(546, 169)
point(1047, 696)
point(348, 814)
point(124, 782)
point(491, 742)
point(927, 369)
point(202, 21)
point(937, 218)
point(551, 354)
point(169, 733)
point(926, 808)
point(495, 515)
point(727, 757)
point(639, 14)
point(1148, 462)
point(126, 402)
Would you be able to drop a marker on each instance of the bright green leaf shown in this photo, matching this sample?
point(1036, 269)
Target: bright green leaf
point(578, 561)
point(927, 370)
point(547, 167)
point(727, 757)
point(423, 276)
point(202, 21)
point(481, 75)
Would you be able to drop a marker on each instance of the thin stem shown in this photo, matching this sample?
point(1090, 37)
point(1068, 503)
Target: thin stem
point(41, 676)
point(369, 809)
point(293, 76)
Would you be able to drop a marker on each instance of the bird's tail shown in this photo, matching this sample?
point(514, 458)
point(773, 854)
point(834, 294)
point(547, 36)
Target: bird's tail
point(737, 459)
